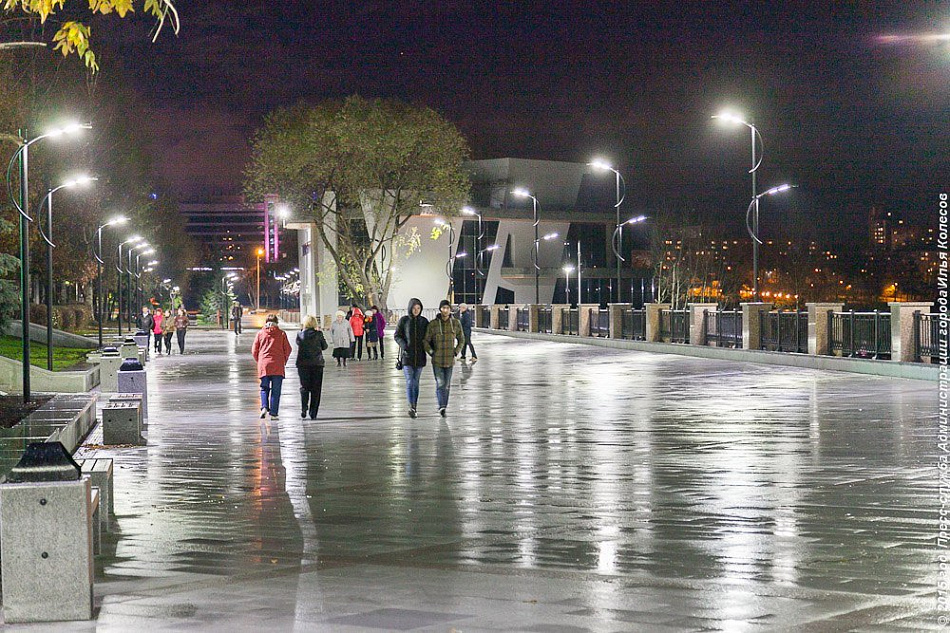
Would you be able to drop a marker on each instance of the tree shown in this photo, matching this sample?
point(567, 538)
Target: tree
point(361, 167)
point(74, 37)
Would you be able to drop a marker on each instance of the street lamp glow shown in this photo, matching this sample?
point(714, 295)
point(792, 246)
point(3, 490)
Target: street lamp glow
point(460, 255)
point(639, 218)
point(568, 269)
point(775, 190)
point(469, 211)
point(69, 128)
point(520, 192)
point(730, 117)
point(493, 247)
point(121, 219)
point(154, 262)
point(549, 237)
point(601, 165)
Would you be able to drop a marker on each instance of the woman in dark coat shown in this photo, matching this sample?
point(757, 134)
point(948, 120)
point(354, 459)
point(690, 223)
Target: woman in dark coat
point(310, 346)
point(410, 336)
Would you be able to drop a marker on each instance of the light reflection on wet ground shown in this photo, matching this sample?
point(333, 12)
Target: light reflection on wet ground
point(570, 488)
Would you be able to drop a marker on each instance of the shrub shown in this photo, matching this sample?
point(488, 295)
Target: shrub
point(62, 318)
point(38, 313)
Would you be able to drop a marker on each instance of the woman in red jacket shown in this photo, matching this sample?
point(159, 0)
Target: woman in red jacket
point(356, 322)
point(271, 350)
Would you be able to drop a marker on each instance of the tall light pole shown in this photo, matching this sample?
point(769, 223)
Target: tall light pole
point(568, 269)
point(22, 205)
point(260, 253)
point(118, 278)
point(138, 286)
point(524, 193)
point(128, 282)
point(729, 117)
point(617, 242)
point(753, 228)
point(97, 252)
point(478, 250)
point(450, 261)
point(48, 238)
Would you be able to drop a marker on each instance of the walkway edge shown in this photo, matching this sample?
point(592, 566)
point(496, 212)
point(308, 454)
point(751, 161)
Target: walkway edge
point(911, 371)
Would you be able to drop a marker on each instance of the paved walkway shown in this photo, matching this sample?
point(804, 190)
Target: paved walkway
point(570, 489)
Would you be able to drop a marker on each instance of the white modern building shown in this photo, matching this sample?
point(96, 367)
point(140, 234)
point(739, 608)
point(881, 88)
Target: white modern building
point(567, 193)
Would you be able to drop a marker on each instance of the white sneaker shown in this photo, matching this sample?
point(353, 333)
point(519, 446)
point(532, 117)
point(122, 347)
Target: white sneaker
point(263, 413)
point(274, 417)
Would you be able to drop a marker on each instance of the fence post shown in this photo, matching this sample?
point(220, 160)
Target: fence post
point(752, 323)
point(778, 331)
point(653, 320)
point(513, 318)
point(557, 317)
point(697, 322)
point(819, 330)
point(616, 318)
point(493, 316)
point(583, 317)
point(903, 348)
point(533, 321)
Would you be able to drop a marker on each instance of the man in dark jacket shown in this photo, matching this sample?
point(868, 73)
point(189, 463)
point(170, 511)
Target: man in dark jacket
point(145, 323)
point(410, 336)
point(465, 318)
point(237, 313)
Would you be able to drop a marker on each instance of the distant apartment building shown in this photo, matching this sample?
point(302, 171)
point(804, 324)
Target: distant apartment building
point(229, 230)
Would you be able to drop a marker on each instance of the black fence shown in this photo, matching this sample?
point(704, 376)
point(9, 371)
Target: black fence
point(785, 332)
point(545, 320)
point(570, 321)
point(599, 321)
point(524, 319)
point(860, 334)
point(503, 318)
point(633, 324)
point(674, 325)
point(926, 337)
point(723, 328)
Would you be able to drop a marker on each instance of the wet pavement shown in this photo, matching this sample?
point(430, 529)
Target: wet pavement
point(570, 488)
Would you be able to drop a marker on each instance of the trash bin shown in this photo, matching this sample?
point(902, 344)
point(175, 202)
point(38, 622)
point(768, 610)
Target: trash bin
point(141, 339)
point(129, 348)
point(132, 379)
point(109, 364)
point(46, 558)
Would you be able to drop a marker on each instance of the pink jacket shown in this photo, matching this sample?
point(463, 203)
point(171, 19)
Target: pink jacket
point(271, 350)
point(157, 328)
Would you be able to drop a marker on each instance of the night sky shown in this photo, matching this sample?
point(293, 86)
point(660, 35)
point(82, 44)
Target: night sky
point(853, 118)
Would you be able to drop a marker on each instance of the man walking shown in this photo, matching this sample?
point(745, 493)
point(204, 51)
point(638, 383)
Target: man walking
point(443, 341)
point(237, 312)
point(145, 323)
point(465, 318)
point(410, 332)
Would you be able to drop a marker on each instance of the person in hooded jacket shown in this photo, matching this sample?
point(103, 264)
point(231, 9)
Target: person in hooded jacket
point(341, 335)
point(356, 322)
point(380, 321)
point(271, 350)
point(410, 336)
point(372, 335)
point(157, 329)
point(310, 346)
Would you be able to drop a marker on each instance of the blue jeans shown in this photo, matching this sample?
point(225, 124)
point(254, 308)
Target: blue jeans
point(412, 384)
point(443, 380)
point(270, 393)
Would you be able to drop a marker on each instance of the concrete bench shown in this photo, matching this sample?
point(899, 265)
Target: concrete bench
point(99, 471)
point(121, 423)
point(46, 550)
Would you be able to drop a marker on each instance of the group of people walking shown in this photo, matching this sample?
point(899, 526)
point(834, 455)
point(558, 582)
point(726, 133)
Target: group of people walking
point(163, 326)
point(419, 339)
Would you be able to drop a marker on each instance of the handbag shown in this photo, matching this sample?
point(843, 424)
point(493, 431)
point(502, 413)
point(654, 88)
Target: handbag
point(398, 364)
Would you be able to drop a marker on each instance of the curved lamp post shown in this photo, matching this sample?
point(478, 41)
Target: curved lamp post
point(97, 253)
point(450, 262)
point(478, 250)
point(48, 238)
point(22, 205)
point(729, 117)
point(524, 193)
point(138, 286)
point(130, 297)
point(616, 242)
point(118, 278)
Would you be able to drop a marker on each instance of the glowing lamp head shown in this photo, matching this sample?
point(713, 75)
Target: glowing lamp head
point(600, 165)
point(730, 117)
point(521, 192)
point(469, 211)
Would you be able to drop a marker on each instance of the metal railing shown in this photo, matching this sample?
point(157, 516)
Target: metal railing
point(598, 323)
point(503, 318)
point(633, 324)
point(860, 334)
point(674, 326)
point(723, 328)
point(785, 332)
point(429, 313)
point(926, 336)
point(523, 319)
point(570, 321)
point(545, 320)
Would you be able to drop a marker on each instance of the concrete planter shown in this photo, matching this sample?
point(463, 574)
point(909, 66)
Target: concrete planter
point(11, 378)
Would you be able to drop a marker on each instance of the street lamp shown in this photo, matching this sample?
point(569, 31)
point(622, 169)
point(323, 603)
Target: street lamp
point(616, 242)
point(97, 252)
point(478, 249)
point(138, 276)
point(753, 229)
point(524, 193)
point(128, 281)
point(729, 117)
point(48, 238)
point(450, 262)
point(568, 269)
point(118, 278)
point(260, 253)
point(23, 206)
